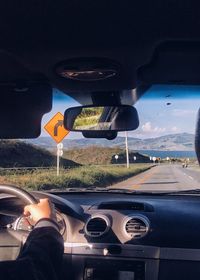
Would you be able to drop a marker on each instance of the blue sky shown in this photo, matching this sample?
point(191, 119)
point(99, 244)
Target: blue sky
point(162, 110)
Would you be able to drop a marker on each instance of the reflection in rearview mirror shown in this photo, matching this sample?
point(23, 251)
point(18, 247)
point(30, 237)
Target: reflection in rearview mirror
point(99, 118)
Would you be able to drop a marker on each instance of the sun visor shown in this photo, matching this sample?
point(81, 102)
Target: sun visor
point(21, 109)
point(173, 63)
point(197, 137)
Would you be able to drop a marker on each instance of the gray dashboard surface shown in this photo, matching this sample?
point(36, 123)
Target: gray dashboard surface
point(174, 220)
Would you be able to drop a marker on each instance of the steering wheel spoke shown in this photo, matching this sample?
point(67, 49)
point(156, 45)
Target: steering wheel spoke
point(11, 242)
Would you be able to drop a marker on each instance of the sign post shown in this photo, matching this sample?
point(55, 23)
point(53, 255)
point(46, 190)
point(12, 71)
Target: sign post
point(116, 157)
point(168, 159)
point(55, 127)
point(127, 153)
point(154, 159)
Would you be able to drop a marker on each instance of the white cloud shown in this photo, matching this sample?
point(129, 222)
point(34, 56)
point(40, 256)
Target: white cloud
point(174, 129)
point(159, 129)
point(148, 128)
point(181, 112)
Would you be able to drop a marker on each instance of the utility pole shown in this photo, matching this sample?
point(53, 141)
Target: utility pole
point(127, 153)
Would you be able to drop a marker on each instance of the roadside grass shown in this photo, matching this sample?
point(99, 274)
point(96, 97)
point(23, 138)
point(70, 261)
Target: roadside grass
point(84, 176)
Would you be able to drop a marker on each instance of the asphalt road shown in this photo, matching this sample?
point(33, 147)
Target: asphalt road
point(163, 177)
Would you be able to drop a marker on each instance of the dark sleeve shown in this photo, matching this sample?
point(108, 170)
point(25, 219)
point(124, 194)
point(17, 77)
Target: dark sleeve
point(40, 258)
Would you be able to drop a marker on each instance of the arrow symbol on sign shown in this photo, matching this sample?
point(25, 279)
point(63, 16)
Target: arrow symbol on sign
point(57, 125)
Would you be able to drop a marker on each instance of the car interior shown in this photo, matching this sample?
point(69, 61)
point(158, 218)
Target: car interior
point(103, 54)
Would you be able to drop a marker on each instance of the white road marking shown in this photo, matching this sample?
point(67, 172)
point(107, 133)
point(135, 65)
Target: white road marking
point(188, 176)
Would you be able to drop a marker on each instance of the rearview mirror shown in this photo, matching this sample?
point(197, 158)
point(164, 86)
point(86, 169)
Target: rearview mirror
point(100, 118)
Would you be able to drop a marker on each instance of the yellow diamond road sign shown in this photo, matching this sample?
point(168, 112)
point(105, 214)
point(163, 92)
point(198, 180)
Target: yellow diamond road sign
point(55, 127)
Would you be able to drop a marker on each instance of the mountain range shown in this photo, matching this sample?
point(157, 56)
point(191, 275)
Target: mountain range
point(172, 142)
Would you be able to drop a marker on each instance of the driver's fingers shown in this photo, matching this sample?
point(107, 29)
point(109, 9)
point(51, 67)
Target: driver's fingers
point(27, 210)
point(44, 200)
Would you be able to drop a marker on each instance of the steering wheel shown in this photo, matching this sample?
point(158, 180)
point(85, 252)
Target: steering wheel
point(13, 237)
point(26, 197)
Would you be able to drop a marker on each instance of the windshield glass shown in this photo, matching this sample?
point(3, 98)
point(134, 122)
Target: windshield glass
point(158, 156)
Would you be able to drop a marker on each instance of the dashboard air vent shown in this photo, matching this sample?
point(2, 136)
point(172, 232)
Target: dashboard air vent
point(97, 226)
point(136, 226)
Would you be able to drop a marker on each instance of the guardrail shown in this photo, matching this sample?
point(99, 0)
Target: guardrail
point(68, 167)
point(25, 170)
point(6, 170)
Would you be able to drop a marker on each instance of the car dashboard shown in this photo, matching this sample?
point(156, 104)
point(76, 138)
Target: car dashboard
point(121, 236)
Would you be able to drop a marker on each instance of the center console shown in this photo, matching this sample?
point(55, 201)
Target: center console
point(97, 268)
point(109, 262)
point(114, 270)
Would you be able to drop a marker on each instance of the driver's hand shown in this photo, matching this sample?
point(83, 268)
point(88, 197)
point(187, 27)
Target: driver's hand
point(42, 210)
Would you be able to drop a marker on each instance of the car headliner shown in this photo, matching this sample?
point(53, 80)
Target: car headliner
point(149, 42)
point(37, 35)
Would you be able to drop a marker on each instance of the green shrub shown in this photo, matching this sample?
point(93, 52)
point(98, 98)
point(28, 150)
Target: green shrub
point(81, 177)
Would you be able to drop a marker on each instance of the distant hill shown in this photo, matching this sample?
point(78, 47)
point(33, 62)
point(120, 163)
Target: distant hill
point(172, 142)
point(102, 155)
point(48, 143)
point(19, 154)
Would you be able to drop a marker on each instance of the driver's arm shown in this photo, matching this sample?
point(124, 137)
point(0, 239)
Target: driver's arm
point(41, 256)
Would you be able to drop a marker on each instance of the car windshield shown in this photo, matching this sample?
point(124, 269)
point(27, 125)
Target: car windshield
point(158, 156)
